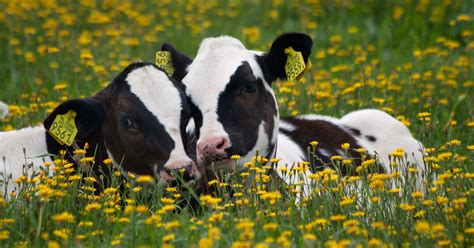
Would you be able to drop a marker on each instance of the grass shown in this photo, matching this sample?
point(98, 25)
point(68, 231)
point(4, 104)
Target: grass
point(413, 59)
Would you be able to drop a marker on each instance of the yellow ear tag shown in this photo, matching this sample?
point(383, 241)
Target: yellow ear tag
point(163, 61)
point(294, 63)
point(308, 67)
point(64, 128)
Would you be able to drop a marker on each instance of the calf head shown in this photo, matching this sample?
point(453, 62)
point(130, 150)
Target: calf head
point(233, 104)
point(138, 121)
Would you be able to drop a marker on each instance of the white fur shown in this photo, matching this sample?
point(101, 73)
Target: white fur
point(290, 153)
point(324, 152)
point(342, 153)
point(390, 134)
point(314, 117)
point(162, 99)
point(191, 127)
point(3, 110)
point(33, 141)
point(216, 61)
point(287, 126)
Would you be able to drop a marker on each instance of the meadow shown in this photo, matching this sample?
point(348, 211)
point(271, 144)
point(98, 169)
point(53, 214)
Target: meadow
point(413, 59)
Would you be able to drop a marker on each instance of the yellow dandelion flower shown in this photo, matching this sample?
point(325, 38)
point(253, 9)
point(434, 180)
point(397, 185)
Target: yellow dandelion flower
point(93, 206)
point(407, 207)
point(145, 179)
point(168, 238)
point(107, 161)
point(338, 217)
point(422, 227)
point(346, 201)
point(64, 217)
point(313, 143)
point(4, 234)
point(309, 236)
point(235, 157)
point(417, 195)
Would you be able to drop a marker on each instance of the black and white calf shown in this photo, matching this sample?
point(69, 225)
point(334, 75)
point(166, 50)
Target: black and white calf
point(138, 121)
point(234, 107)
point(235, 110)
point(374, 130)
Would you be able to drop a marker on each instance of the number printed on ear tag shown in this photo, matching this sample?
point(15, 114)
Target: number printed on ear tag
point(163, 61)
point(294, 63)
point(64, 128)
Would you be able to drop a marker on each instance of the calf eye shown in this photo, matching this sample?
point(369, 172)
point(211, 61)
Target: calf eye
point(125, 122)
point(250, 87)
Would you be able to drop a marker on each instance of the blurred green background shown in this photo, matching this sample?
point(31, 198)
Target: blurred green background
point(404, 57)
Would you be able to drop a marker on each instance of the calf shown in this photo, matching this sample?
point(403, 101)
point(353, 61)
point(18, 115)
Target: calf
point(229, 87)
point(138, 121)
point(235, 110)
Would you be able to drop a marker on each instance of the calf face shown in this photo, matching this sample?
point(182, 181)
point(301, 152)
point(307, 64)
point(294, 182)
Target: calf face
point(138, 120)
point(233, 104)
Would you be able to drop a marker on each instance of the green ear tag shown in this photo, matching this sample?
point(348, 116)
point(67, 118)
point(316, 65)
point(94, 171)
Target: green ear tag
point(64, 128)
point(163, 61)
point(294, 63)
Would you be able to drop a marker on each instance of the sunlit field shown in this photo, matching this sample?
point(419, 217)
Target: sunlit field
point(412, 59)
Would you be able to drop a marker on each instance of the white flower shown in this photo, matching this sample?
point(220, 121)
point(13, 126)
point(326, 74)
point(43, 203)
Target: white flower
point(3, 110)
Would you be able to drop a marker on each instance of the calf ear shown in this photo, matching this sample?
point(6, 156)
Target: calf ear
point(179, 60)
point(275, 60)
point(89, 117)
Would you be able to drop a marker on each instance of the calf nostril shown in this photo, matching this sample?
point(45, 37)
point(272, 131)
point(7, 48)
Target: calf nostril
point(221, 145)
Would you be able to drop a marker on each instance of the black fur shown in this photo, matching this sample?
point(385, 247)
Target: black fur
point(179, 60)
point(273, 63)
point(329, 136)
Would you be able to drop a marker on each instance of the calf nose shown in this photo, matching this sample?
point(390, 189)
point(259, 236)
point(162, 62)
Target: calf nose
point(212, 147)
point(185, 169)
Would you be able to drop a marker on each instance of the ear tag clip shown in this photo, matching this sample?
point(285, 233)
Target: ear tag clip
point(295, 66)
point(163, 61)
point(64, 128)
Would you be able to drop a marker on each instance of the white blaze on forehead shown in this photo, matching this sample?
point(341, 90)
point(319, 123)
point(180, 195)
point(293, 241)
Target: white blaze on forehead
point(156, 91)
point(210, 72)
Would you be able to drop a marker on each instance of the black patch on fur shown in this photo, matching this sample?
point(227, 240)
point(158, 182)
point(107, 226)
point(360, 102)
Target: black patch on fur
point(355, 131)
point(273, 63)
point(270, 151)
point(90, 116)
point(197, 117)
point(241, 112)
point(329, 136)
point(370, 138)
